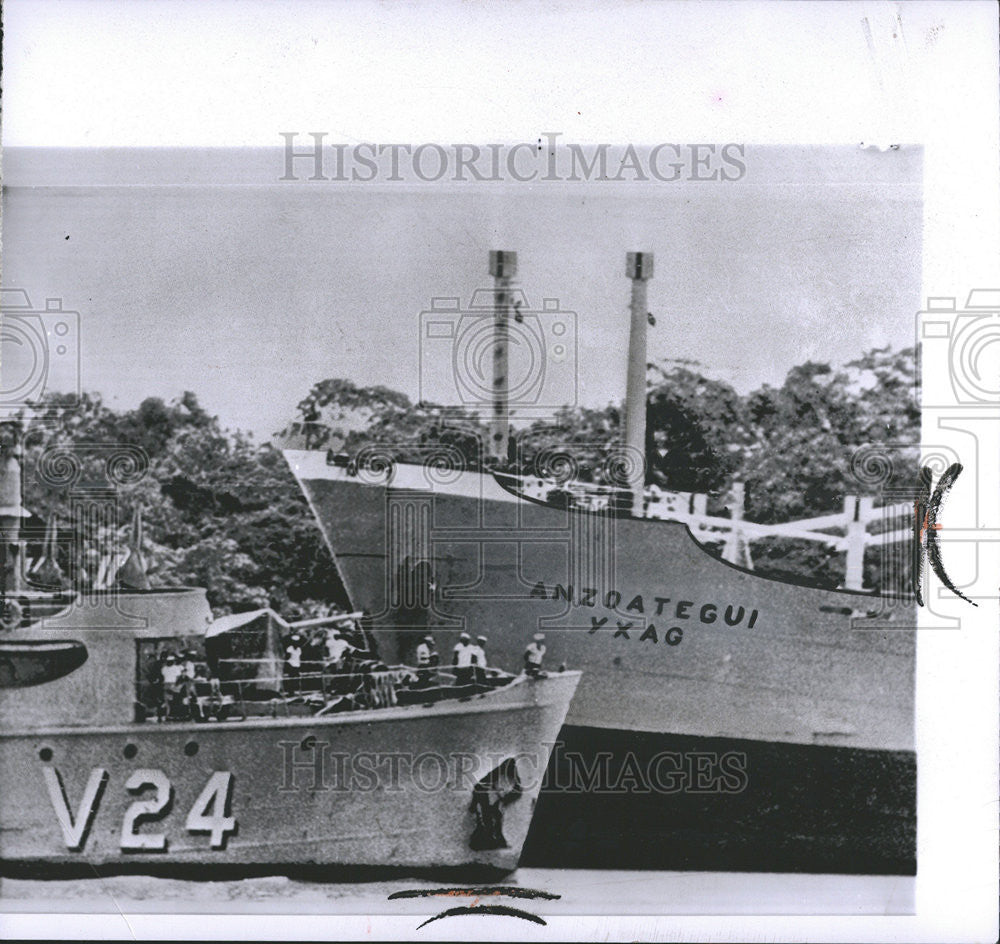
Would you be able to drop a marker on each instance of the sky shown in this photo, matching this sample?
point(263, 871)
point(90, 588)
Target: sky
point(201, 270)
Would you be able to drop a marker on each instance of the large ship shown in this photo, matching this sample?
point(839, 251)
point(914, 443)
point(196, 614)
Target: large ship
point(690, 663)
point(136, 732)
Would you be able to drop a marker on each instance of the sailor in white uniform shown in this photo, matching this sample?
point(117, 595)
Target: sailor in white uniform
point(479, 660)
point(171, 672)
point(461, 659)
point(293, 662)
point(534, 654)
point(337, 648)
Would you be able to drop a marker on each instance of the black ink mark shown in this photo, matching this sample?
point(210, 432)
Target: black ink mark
point(505, 891)
point(926, 545)
point(487, 891)
point(502, 910)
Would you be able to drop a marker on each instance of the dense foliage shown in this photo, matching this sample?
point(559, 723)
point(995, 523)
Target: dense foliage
point(219, 510)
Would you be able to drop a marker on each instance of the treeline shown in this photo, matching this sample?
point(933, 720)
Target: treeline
point(219, 510)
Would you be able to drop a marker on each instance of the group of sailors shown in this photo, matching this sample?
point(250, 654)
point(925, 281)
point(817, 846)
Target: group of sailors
point(177, 679)
point(172, 677)
point(327, 650)
point(469, 661)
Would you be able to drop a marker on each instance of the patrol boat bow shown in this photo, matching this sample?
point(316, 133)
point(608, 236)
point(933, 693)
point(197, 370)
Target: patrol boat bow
point(113, 755)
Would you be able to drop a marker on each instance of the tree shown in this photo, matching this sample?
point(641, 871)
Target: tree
point(220, 511)
point(696, 430)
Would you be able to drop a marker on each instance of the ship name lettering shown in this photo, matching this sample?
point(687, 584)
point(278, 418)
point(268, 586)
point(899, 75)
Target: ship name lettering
point(706, 613)
point(155, 809)
point(210, 812)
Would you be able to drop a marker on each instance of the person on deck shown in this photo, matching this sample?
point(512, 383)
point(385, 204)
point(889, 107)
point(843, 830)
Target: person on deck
point(461, 660)
point(479, 661)
point(427, 659)
point(293, 663)
point(152, 697)
point(188, 657)
point(189, 672)
point(171, 673)
point(533, 656)
point(337, 649)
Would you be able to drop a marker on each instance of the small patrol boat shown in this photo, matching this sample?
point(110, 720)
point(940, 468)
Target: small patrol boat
point(136, 732)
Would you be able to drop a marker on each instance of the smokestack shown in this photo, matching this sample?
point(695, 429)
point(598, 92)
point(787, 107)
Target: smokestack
point(503, 268)
point(639, 268)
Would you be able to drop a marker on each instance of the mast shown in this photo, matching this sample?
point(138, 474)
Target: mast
point(639, 268)
point(11, 507)
point(503, 268)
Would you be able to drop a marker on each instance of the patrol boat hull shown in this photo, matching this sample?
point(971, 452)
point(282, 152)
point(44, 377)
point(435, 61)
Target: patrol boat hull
point(391, 788)
point(678, 649)
point(448, 779)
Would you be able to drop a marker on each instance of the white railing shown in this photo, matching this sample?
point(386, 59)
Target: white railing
point(736, 533)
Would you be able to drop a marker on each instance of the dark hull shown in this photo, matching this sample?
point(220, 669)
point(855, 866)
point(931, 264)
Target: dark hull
point(798, 808)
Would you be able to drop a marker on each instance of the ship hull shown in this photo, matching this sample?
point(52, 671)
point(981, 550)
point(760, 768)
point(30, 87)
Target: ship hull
point(681, 653)
point(387, 788)
point(615, 799)
point(670, 638)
